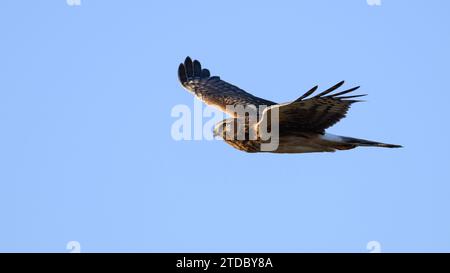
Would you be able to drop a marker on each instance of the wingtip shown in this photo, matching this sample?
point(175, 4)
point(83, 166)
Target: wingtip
point(205, 73)
point(308, 93)
point(336, 95)
point(192, 68)
point(331, 89)
point(182, 77)
point(352, 96)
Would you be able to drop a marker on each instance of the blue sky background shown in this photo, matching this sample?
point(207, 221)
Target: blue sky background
point(86, 152)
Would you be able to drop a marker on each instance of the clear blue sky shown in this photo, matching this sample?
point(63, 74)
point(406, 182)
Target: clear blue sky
point(86, 152)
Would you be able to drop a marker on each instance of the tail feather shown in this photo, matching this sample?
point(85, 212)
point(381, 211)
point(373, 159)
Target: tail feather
point(368, 143)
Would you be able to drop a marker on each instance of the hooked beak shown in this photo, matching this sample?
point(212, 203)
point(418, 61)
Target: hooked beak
point(217, 131)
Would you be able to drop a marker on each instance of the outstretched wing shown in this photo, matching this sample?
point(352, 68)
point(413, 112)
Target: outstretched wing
point(213, 90)
point(313, 114)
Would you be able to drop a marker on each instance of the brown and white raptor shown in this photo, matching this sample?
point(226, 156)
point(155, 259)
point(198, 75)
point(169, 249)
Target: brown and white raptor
point(301, 123)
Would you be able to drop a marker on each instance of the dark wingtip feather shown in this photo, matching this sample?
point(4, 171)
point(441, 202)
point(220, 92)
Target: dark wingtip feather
point(205, 73)
point(192, 69)
point(349, 97)
point(182, 73)
point(331, 89)
point(343, 92)
point(189, 67)
point(197, 69)
point(312, 90)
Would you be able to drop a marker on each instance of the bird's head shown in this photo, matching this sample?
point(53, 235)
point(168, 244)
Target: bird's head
point(223, 128)
point(232, 129)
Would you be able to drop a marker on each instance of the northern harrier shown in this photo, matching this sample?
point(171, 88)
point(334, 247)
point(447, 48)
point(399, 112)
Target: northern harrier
point(301, 123)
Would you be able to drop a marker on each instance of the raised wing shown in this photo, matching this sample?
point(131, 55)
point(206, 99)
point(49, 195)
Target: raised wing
point(313, 114)
point(213, 90)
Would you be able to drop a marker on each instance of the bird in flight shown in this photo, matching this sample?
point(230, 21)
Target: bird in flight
point(300, 124)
